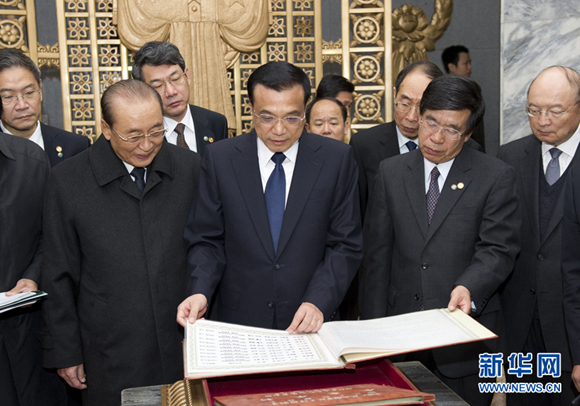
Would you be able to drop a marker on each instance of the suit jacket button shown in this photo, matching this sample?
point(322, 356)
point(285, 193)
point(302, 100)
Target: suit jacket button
point(270, 305)
point(424, 265)
point(533, 291)
point(540, 257)
point(416, 297)
point(277, 266)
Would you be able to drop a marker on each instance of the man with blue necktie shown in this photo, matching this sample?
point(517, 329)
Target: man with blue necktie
point(275, 236)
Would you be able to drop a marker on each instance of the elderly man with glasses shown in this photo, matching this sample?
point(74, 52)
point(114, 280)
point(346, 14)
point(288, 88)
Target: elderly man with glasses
point(275, 235)
point(441, 231)
point(114, 254)
point(160, 65)
point(532, 297)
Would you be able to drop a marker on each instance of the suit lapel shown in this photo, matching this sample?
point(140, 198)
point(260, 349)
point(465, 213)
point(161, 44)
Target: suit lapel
point(389, 144)
point(50, 144)
point(202, 132)
point(459, 173)
point(529, 172)
point(414, 181)
point(306, 170)
point(247, 171)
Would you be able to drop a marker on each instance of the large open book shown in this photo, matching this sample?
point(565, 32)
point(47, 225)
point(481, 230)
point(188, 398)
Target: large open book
point(221, 349)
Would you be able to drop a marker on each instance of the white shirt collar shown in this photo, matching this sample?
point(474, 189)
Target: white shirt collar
point(444, 169)
point(265, 155)
point(404, 140)
point(569, 147)
point(187, 120)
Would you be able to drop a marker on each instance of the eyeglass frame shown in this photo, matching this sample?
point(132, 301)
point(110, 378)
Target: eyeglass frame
point(22, 96)
point(549, 113)
point(163, 84)
point(258, 116)
point(441, 128)
point(406, 104)
point(135, 138)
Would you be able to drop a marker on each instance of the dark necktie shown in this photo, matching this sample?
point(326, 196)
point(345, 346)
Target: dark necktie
point(432, 194)
point(275, 197)
point(139, 175)
point(411, 145)
point(179, 129)
point(553, 168)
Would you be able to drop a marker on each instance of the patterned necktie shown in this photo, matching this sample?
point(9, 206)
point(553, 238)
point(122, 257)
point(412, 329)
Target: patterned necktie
point(411, 145)
point(275, 196)
point(553, 168)
point(432, 194)
point(139, 175)
point(179, 129)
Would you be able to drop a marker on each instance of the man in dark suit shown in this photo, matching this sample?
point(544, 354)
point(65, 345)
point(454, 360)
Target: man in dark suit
point(275, 236)
point(23, 381)
point(160, 65)
point(21, 92)
point(383, 141)
point(532, 296)
point(114, 259)
point(442, 230)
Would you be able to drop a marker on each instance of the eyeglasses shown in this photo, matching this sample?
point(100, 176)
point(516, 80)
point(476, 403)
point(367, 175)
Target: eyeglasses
point(536, 112)
point(134, 139)
point(28, 96)
point(176, 81)
point(269, 120)
point(431, 127)
point(404, 107)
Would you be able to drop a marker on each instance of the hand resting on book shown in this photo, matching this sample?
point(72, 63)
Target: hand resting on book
point(191, 309)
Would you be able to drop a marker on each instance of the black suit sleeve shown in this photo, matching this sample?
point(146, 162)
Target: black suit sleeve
point(363, 188)
point(571, 262)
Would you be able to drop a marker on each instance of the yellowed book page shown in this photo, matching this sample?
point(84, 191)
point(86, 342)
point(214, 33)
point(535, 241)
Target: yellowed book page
point(365, 339)
point(219, 349)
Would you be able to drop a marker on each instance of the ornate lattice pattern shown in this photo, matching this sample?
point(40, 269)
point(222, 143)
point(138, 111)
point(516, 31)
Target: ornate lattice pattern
point(92, 58)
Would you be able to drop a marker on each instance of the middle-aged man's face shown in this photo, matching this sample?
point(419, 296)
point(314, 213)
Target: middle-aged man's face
point(20, 118)
point(326, 120)
point(175, 97)
point(552, 91)
point(410, 92)
point(346, 99)
point(434, 146)
point(135, 117)
point(287, 103)
point(463, 67)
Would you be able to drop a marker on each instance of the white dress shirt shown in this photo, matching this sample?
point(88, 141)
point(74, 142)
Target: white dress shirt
point(444, 169)
point(267, 165)
point(189, 131)
point(568, 149)
point(403, 148)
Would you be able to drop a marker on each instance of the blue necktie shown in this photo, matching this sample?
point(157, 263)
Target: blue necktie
point(139, 175)
point(275, 196)
point(553, 168)
point(411, 145)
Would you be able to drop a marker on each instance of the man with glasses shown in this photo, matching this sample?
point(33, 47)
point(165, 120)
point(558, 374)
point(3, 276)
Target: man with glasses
point(275, 235)
point(21, 93)
point(532, 297)
point(160, 65)
point(442, 231)
point(114, 254)
point(399, 136)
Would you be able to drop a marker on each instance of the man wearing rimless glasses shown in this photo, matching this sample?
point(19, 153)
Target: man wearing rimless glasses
point(114, 258)
point(532, 297)
point(442, 231)
point(275, 236)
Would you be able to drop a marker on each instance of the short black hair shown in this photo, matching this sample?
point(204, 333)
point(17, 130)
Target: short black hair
point(14, 58)
point(279, 76)
point(332, 99)
point(131, 90)
point(451, 55)
point(456, 93)
point(430, 70)
point(156, 53)
point(332, 85)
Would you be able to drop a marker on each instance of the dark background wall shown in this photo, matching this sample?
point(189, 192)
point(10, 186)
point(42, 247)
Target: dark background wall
point(474, 24)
